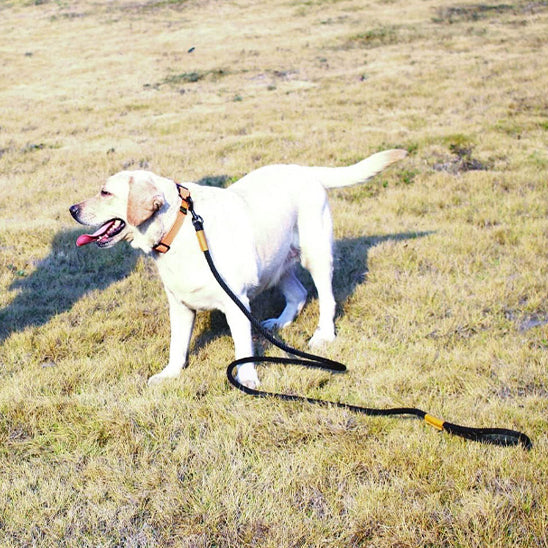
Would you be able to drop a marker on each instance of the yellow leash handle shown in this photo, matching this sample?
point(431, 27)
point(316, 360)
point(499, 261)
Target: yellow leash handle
point(434, 421)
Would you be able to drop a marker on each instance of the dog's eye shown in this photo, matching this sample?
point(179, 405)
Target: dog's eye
point(105, 193)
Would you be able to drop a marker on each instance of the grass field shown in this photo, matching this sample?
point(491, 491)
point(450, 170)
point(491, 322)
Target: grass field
point(441, 274)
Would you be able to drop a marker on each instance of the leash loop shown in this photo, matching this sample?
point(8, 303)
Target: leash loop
point(495, 436)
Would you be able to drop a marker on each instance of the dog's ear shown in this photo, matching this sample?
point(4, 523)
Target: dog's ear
point(144, 200)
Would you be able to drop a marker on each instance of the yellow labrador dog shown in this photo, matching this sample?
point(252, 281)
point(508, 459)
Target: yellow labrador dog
point(257, 230)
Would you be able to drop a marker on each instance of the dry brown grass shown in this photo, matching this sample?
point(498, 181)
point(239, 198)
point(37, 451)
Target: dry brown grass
point(440, 276)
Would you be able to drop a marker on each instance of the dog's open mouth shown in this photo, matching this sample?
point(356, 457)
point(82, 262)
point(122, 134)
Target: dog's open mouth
point(104, 234)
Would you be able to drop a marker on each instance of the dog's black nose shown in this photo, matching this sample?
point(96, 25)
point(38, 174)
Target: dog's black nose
point(74, 210)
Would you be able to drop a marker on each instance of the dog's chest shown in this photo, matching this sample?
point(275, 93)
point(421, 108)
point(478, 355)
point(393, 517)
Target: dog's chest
point(190, 283)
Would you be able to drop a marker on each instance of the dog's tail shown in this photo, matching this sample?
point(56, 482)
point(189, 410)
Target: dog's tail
point(334, 177)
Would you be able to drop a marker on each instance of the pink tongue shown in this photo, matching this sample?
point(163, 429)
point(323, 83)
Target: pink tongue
point(85, 239)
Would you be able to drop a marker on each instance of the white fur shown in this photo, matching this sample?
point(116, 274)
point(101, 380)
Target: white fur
point(257, 230)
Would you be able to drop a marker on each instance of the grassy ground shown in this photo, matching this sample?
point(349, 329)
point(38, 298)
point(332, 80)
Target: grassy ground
point(441, 274)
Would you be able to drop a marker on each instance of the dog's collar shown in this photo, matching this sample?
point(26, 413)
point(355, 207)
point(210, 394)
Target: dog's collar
point(186, 203)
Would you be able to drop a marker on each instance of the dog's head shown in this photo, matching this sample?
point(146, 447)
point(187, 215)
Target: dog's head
point(124, 208)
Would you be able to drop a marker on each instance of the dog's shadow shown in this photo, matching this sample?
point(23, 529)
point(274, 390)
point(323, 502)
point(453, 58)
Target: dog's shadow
point(62, 279)
point(68, 273)
point(351, 260)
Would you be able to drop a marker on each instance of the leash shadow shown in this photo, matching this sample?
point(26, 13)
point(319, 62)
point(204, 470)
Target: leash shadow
point(62, 279)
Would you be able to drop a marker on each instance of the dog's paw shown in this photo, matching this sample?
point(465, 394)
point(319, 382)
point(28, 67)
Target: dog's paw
point(248, 377)
point(272, 324)
point(321, 338)
point(159, 378)
point(251, 384)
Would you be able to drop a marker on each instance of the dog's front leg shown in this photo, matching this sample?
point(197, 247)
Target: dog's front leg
point(240, 328)
point(182, 321)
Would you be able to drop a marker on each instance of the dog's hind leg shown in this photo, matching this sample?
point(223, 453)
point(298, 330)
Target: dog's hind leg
point(316, 239)
point(322, 277)
point(295, 298)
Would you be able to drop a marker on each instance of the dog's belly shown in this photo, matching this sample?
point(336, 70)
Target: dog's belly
point(274, 267)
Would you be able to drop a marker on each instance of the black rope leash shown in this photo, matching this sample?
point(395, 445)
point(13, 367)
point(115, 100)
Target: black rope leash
point(496, 436)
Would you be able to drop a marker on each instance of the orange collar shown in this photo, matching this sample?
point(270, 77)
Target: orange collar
point(165, 243)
